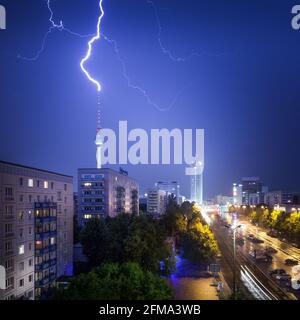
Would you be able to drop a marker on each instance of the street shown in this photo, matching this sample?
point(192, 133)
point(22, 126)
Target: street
point(252, 277)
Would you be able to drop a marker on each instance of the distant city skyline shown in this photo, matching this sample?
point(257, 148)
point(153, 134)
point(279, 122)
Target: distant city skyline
point(242, 88)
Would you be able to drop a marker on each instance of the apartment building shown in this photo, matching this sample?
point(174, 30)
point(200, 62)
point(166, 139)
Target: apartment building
point(36, 229)
point(106, 192)
point(156, 201)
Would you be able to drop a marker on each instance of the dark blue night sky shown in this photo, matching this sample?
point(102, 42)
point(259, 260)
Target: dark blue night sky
point(244, 90)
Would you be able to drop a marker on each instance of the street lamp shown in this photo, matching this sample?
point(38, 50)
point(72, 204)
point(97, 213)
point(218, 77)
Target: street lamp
point(234, 228)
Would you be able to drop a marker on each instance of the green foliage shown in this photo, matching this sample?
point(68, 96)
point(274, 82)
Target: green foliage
point(191, 232)
point(128, 238)
point(278, 220)
point(114, 281)
point(76, 230)
point(95, 241)
point(199, 244)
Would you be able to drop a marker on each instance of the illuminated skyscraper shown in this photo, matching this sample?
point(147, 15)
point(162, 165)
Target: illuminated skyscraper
point(197, 182)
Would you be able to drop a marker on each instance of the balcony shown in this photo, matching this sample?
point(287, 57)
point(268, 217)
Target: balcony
point(47, 219)
point(52, 277)
point(10, 270)
point(9, 198)
point(9, 235)
point(42, 266)
point(42, 282)
point(42, 235)
point(9, 217)
point(48, 249)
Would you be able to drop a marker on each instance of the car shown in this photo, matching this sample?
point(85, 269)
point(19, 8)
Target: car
point(283, 277)
point(277, 272)
point(260, 256)
point(291, 262)
point(270, 250)
point(257, 240)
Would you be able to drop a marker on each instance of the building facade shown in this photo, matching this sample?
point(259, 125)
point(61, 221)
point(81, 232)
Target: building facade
point(106, 192)
point(36, 229)
point(157, 201)
point(196, 173)
point(237, 194)
point(250, 191)
point(171, 187)
point(273, 198)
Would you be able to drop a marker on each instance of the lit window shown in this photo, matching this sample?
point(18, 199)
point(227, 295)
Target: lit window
point(87, 216)
point(87, 184)
point(30, 183)
point(45, 184)
point(21, 249)
point(52, 241)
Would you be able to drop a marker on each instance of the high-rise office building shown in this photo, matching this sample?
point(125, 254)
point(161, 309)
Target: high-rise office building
point(197, 182)
point(237, 194)
point(171, 187)
point(106, 192)
point(249, 192)
point(36, 229)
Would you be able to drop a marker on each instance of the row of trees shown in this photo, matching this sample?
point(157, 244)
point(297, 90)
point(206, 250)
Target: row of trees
point(113, 281)
point(191, 232)
point(286, 223)
point(128, 238)
point(128, 254)
point(126, 257)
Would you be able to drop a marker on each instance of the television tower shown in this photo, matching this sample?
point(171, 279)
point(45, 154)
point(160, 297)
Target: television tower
point(99, 137)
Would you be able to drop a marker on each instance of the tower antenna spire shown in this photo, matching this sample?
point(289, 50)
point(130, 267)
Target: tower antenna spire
point(98, 113)
point(99, 138)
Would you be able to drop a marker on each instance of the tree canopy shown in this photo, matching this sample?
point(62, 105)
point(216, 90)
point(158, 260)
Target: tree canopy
point(113, 281)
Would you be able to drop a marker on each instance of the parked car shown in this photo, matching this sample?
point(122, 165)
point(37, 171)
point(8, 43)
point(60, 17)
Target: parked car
point(277, 271)
point(260, 256)
point(280, 274)
point(283, 277)
point(291, 262)
point(257, 240)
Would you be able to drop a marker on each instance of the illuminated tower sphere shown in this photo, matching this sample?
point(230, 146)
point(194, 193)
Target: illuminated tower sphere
point(197, 182)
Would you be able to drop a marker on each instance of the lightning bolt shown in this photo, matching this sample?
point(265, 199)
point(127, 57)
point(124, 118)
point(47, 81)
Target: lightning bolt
point(89, 51)
point(133, 86)
point(60, 27)
point(167, 52)
point(53, 26)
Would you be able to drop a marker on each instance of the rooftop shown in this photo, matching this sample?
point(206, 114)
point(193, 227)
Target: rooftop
point(33, 168)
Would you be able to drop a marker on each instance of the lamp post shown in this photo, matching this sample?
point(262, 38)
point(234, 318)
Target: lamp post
point(234, 228)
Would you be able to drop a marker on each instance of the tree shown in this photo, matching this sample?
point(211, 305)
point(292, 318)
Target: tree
point(94, 239)
point(146, 244)
point(114, 281)
point(118, 228)
point(199, 244)
point(76, 230)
